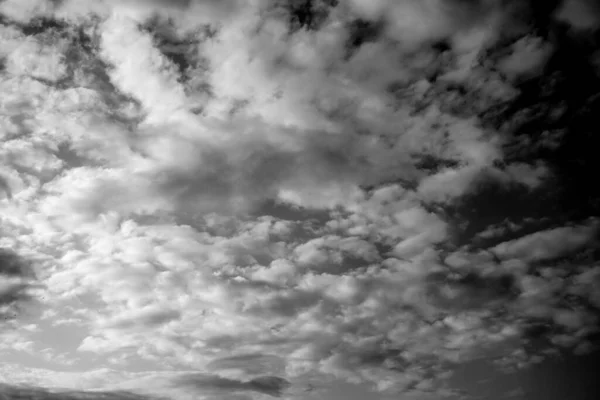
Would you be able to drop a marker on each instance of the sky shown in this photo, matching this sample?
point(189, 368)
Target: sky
point(299, 199)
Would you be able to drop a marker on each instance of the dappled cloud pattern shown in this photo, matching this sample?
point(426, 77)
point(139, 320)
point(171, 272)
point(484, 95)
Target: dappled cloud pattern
point(254, 199)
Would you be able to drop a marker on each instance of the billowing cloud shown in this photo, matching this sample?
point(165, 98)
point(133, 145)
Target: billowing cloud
point(251, 198)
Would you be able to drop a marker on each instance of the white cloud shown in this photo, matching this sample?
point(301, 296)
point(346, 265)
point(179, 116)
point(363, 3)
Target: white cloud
point(140, 195)
point(38, 60)
point(139, 69)
point(24, 11)
point(548, 244)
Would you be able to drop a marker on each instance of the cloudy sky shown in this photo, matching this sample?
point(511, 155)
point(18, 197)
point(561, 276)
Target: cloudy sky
point(299, 199)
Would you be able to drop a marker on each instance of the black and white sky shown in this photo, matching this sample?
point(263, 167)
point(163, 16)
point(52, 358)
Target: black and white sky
point(299, 199)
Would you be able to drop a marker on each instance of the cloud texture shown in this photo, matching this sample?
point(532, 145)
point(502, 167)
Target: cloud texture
point(256, 198)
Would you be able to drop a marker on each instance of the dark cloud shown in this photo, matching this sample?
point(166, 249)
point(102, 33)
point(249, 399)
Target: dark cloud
point(251, 364)
point(580, 14)
point(43, 25)
point(13, 392)
point(270, 385)
point(5, 187)
point(303, 14)
point(16, 280)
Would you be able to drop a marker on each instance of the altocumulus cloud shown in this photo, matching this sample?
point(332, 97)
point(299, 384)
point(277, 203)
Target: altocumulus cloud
point(253, 199)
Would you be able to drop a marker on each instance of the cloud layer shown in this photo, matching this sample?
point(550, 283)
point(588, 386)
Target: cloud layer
point(280, 194)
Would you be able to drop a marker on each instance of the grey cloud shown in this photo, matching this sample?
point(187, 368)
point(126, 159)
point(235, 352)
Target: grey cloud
point(244, 177)
point(5, 187)
point(266, 169)
point(186, 3)
point(251, 364)
point(549, 244)
point(286, 302)
point(16, 281)
point(414, 22)
point(143, 319)
point(335, 254)
point(425, 131)
point(12, 392)
point(270, 385)
point(261, 171)
point(580, 14)
point(528, 57)
point(472, 291)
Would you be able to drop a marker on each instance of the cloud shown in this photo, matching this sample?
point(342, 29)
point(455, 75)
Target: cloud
point(580, 14)
point(15, 392)
point(272, 195)
point(108, 384)
point(16, 282)
point(528, 56)
point(270, 385)
point(548, 244)
point(26, 10)
point(148, 317)
point(413, 22)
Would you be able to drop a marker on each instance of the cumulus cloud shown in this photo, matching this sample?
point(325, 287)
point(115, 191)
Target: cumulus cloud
point(260, 196)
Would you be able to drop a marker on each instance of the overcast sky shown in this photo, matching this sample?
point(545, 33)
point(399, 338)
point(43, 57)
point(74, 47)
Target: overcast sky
point(299, 199)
